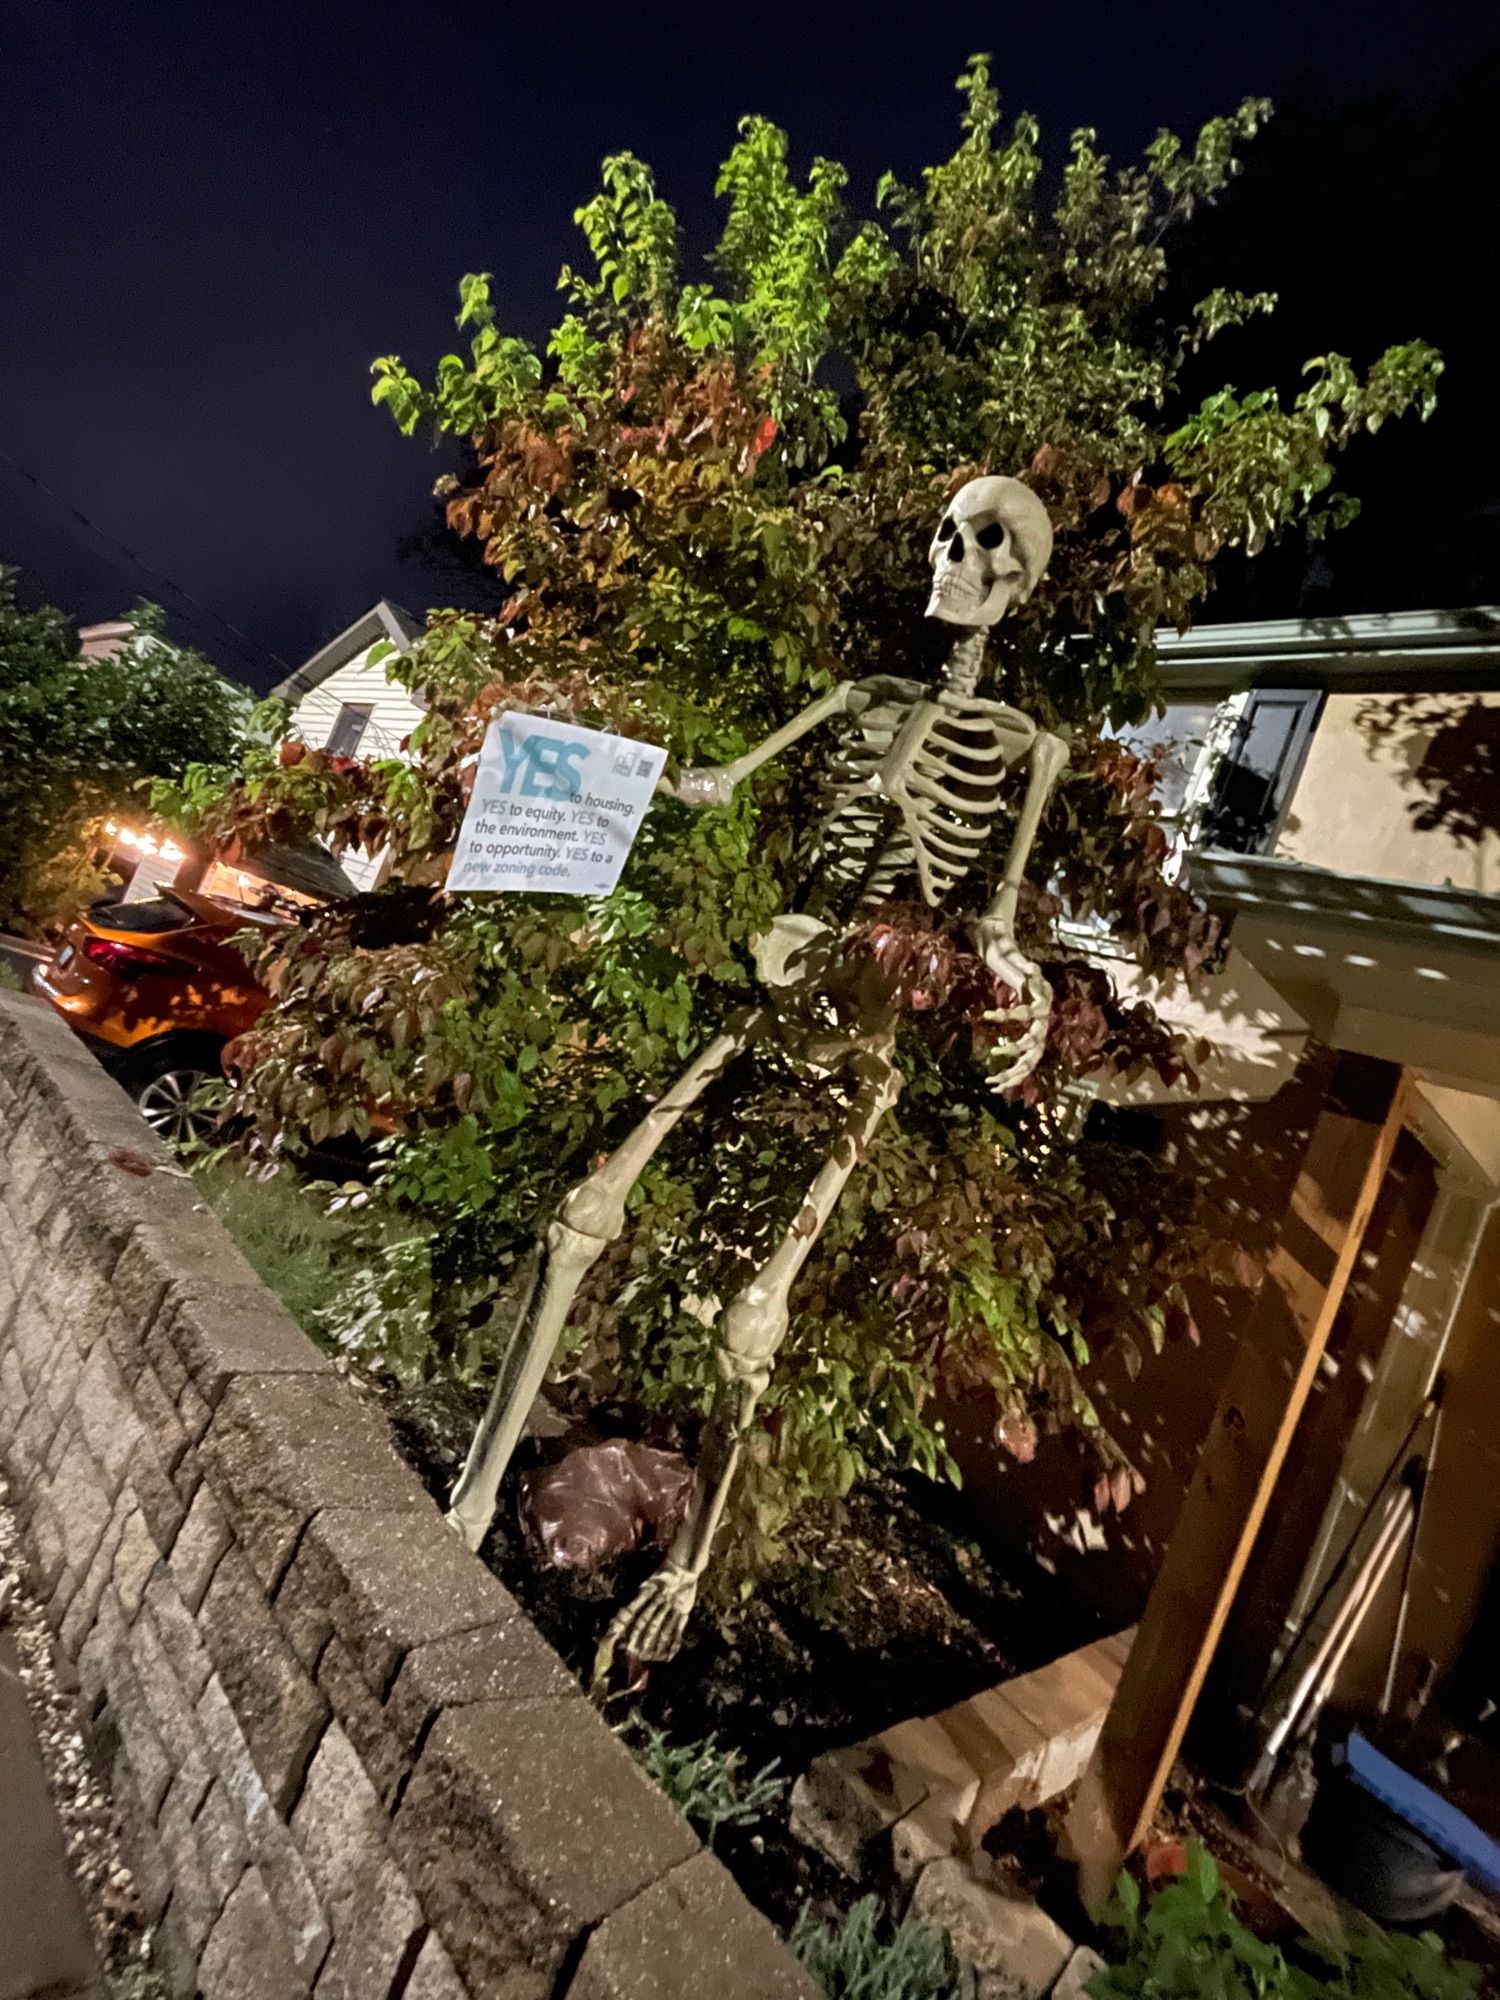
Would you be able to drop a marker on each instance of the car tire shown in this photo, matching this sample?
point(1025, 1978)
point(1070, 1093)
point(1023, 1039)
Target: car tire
point(164, 1082)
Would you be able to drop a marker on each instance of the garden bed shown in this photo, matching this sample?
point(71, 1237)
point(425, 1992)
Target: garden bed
point(885, 1608)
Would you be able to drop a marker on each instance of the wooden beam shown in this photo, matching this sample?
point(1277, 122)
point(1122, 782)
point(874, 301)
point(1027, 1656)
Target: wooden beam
point(1222, 1739)
point(1273, 1369)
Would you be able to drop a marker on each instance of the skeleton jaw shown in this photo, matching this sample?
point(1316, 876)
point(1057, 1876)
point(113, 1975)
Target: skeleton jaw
point(954, 599)
point(957, 600)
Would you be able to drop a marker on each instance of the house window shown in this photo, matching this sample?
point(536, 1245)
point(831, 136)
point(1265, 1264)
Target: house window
point(349, 726)
point(1251, 782)
point(1181, 734)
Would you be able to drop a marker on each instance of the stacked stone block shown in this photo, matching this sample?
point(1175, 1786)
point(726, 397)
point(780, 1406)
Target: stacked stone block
point(347, 1764)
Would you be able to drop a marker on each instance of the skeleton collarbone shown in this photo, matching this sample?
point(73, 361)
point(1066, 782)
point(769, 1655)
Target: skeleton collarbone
point(939, 758)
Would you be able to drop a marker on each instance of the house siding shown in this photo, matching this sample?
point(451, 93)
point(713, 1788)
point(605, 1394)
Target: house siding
point(393, 717)
point(394, 713)
point(1401, 786)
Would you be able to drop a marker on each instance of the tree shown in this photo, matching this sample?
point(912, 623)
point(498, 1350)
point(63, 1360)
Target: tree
point(696, 534)
point(79, 739)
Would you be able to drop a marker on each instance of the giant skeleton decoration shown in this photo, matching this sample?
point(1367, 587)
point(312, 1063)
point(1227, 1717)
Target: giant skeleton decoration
point(912, 787)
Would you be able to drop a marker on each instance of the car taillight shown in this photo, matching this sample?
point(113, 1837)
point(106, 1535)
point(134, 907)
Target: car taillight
point(126, 960)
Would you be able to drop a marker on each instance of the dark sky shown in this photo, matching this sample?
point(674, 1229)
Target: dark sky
point(212, 216)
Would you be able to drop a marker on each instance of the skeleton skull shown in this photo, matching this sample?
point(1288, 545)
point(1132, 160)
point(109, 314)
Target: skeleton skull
point(990, 548)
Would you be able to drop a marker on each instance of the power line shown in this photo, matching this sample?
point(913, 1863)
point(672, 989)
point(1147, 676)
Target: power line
point(255, 646)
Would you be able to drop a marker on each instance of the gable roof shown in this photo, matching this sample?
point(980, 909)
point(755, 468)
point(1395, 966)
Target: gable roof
point(382, 621)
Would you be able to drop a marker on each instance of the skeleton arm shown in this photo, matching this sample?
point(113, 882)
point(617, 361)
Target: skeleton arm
point(995, 931)
point(713, 784)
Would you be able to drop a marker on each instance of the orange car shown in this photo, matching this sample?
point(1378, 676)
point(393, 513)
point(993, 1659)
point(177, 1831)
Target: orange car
point(157, 991)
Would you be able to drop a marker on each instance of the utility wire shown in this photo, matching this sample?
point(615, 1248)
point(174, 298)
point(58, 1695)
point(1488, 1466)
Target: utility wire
point(203, 611)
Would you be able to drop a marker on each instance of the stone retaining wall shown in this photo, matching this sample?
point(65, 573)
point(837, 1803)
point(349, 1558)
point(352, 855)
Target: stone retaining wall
point(346, 1762)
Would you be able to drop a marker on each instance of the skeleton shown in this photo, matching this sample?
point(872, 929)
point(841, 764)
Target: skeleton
point(913, 786)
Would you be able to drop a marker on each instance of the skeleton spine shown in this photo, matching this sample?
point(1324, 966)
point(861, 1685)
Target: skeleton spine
point(965, 663)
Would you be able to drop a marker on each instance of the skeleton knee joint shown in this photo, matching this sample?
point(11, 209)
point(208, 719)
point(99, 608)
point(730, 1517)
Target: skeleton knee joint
point(593, 1208)
point(750, 1332)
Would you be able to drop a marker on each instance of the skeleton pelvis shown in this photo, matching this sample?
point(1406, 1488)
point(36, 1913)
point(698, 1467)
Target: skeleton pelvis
point(795, 951)
point(828, 1006)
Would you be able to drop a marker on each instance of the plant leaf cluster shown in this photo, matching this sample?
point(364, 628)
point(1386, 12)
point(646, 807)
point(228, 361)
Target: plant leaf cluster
point(1187, 1943)
point(866, 1958)
point(704, 1780)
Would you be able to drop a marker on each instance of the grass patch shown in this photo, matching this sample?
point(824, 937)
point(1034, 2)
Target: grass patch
point(355, 1275)
point(295, 1247)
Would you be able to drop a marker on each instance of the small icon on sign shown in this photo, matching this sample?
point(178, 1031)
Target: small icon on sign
point(623, 764)
point(644, 767)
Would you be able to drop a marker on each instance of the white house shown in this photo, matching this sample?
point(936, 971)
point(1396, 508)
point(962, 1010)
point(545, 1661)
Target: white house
point(343, 701)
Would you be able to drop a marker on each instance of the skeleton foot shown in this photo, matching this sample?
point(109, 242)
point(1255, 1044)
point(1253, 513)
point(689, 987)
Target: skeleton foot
point(652, 1625)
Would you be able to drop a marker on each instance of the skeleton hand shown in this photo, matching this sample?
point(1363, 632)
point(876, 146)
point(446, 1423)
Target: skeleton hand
point(705, 785)
point(652, 1624)
point(998, 948)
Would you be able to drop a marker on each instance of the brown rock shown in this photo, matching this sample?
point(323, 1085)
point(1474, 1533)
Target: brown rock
point(433, 1977)
point(509, 1661)
point(278, 1709)
point(198, 1548)
point(386, 1582)
point(1014, 1946)
point(281, 1447)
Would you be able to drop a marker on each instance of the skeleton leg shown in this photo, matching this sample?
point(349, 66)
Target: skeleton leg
point(590, 1218)
point(750, 1332)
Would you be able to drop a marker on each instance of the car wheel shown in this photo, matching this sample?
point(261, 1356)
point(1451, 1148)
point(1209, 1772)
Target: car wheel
point(165, 1101)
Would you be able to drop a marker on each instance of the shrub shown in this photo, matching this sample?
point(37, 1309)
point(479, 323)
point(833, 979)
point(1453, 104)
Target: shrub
point(1187, 1943)
point(693, 537)
point(78, 742)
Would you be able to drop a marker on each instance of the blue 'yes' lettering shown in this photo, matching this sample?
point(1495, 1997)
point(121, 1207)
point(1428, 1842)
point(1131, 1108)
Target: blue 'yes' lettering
point(544, 766)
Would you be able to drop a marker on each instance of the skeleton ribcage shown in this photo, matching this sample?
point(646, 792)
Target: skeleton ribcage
point(916, 786)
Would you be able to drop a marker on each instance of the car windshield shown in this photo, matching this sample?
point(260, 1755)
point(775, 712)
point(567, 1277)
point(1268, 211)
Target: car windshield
point(154, 915)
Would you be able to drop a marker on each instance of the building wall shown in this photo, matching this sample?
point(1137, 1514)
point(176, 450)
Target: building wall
point(1404, 787)
point(395, 713)
point(1248, 1157)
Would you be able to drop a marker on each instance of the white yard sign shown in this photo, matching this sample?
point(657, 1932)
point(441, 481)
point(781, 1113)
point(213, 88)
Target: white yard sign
point(554, 808)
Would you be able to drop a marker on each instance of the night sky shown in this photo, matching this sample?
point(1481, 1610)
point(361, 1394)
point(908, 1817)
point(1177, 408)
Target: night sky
point(213, 216)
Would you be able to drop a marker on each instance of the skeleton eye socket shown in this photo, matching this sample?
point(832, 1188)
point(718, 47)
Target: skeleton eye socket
point(992, 536)
point(946, 529)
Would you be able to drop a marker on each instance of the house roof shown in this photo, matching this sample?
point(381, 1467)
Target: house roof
point(1401, 970)
point(312, 871)
point(1420, 912)
point(382, 621)
point(1407, 649)
point(100, 642)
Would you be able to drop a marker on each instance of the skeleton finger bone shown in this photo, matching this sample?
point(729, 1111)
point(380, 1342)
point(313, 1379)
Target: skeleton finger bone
point(1035, 1015)
point(652, 1626)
